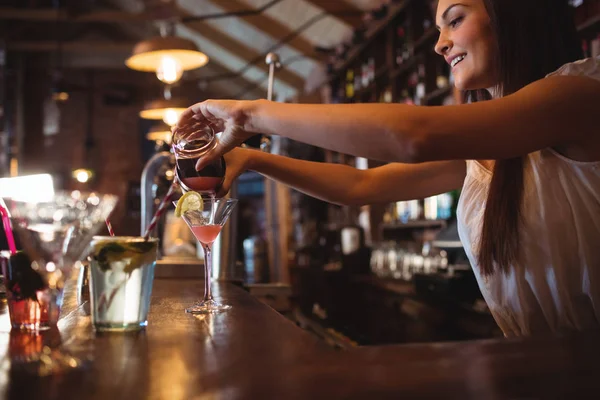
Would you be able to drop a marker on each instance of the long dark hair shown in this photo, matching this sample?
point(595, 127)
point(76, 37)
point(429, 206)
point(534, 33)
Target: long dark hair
point(534, 38)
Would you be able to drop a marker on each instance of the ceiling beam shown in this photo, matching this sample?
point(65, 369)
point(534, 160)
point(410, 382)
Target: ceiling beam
point(244, 52)
point(341, 10)
point(269, 25)
point(91, 46)
point(106, 16)
point(217, 69)
point(87, 54)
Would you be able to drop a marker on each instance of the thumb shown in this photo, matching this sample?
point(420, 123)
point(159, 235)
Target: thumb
point(224, 188)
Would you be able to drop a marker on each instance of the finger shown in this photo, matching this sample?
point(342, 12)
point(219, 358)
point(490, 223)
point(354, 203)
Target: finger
point(224, 188)
point(185, 117)
point(194, 113)
point(209, 157)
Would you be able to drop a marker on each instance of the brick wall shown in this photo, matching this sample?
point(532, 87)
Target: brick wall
point(117, 156)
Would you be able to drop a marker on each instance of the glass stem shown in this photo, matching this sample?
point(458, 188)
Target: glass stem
point(207, 271)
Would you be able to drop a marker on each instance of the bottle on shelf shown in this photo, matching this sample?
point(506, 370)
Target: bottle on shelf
point(403, 52)
point(586, 49)
point(443, 80)
point(350, 85)
point(386, 95)
point(420, 88)
point(406, 98)
point(357, 82)
point(438, 207)
point(371, 70)
point(364, 75)
point(595, 47)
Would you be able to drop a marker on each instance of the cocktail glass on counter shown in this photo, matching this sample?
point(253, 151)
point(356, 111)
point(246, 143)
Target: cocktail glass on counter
point(55, 232)
point(121, 276)
point(206, 223)
point(29, 305)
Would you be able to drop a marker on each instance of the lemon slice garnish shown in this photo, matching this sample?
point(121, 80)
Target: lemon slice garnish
point(190, 201)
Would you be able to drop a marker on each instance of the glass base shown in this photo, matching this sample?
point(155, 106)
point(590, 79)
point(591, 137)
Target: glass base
point(33, 327)
point(119, 327)
point(207, 307)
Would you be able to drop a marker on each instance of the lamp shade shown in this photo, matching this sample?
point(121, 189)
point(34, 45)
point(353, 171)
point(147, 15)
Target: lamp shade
point(149, 54)
point(167, 110)
point(160, 132)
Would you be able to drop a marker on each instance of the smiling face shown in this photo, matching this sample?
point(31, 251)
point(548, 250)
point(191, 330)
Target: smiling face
point(467, 43)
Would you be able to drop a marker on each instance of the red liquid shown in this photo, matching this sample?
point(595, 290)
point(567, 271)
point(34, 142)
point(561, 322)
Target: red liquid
point(205, 180)
point(29, 313)
point(206, 234)
point(27, 296)
point(202, 184)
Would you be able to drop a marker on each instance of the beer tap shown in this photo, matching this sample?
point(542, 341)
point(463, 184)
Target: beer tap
point(273, 62)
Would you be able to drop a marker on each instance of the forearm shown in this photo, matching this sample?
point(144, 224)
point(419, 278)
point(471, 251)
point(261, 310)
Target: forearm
point(333, 183)
point(387, 132)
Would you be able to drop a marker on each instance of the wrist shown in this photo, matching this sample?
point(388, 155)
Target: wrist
point(253, 112)
point(252, 159)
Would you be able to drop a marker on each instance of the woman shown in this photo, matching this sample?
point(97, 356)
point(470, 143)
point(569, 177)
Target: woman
point(529, 213)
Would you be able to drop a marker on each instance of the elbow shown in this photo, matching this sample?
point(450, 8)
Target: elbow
point(411, 145)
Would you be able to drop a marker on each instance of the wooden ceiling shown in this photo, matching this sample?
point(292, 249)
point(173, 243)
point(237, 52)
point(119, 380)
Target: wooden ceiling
point(101, 34)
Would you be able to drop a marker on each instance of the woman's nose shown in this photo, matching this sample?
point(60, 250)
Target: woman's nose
point(443, 45)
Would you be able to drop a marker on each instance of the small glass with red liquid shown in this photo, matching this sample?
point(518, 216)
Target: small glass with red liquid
point(30, 304)
point(189, 145)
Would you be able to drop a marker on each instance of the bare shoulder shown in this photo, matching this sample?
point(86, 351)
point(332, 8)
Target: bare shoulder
point(581, 95)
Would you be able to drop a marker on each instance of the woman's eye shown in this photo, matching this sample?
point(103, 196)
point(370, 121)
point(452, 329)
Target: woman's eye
point(454, 23)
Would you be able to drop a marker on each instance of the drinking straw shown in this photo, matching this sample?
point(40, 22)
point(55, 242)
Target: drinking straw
point(161, 208)
point(111, 232)
point(8, 229)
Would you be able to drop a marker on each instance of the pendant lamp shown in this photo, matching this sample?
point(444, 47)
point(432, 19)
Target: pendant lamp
point(167, 56)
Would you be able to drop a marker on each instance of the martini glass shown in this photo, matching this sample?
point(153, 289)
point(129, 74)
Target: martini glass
point(55, 233)
point(206, 226)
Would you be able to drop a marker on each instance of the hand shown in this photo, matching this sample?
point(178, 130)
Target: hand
point(227, 116)
point(238, 161)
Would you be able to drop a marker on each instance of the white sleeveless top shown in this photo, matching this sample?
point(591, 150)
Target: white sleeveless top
point(555, 286)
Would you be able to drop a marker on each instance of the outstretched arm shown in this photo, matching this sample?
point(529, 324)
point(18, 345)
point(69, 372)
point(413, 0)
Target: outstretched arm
point(553, 112)
point(342, 184)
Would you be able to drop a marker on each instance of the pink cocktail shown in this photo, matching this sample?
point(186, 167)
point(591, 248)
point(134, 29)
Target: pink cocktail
point(206, 224)
point(206, 234)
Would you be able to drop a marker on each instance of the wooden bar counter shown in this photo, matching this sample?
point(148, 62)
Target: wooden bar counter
point(252, 352)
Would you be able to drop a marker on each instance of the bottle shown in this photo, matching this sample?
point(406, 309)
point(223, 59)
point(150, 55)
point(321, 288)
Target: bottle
point(420, 88)
point(595, 47)
point(364, 75)
point(371, 70)
point(188, 147)
point(350, 85)
point(401, 46)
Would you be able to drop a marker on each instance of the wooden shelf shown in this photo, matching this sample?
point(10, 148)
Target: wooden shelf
point(429, 35)
point(419, 224)
point(370, 35)
point(437, 94)
point(381, 72)
point(590, 23)
point(406, 67)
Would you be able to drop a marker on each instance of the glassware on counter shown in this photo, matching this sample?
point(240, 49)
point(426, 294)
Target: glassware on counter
point(403, 260)
point(121, 276)
point(55, 234)
point(206, 225)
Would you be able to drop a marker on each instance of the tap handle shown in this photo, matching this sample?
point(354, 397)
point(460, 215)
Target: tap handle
point(273, 62)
